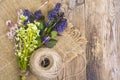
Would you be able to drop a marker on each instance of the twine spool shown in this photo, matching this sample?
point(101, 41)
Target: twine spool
point(46, 63)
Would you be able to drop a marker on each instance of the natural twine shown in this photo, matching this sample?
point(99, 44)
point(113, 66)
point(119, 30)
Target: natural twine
point(56, 64)
point(50, 71)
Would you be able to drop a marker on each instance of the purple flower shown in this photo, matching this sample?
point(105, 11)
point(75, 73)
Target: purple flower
point(45, 39)
point(57, 7)
point(37, 15)
point(46, 23)
point(52, 15)
point(61, 26)
point(26, 21)
point(27, 13)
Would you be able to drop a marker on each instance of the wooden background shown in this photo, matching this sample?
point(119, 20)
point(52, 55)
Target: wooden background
point(99, 22)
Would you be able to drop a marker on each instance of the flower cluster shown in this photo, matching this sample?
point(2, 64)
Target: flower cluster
point(32, 31)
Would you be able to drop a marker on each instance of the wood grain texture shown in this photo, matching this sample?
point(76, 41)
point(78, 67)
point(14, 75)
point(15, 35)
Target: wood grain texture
point(102, 32)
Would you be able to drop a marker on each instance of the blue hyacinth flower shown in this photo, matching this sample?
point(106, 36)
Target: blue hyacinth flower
point(57, 7)
point(37, 15)
point(61, 26)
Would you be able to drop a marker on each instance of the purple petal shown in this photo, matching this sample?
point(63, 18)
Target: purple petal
point(37, 15)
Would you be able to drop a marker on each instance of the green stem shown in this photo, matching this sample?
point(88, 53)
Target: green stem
point(21, 58)
point(22, 78)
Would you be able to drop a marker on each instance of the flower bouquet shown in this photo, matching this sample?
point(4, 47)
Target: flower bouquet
point(33, 31)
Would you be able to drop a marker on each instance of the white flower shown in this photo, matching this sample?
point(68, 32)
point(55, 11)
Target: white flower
point(37, 23)
point(10, 35)
point(25, 58)
point(20, 12)
point(16, 45)
point(32, 26)
point(16, 54)
point(8, 22)
point(19, 53)
point(23, 18)
point(17, 38)
point(13, 29)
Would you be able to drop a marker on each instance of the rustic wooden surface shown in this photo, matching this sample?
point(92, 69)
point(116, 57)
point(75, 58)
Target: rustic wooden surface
point(99, 22)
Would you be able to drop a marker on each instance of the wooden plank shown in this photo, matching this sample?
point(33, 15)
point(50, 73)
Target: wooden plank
point(102, 32)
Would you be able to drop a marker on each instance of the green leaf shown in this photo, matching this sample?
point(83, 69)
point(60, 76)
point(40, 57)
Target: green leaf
point(41, 26)
point(39, 41)
point(51, 43)
point(54, 34)
point(38, 38)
